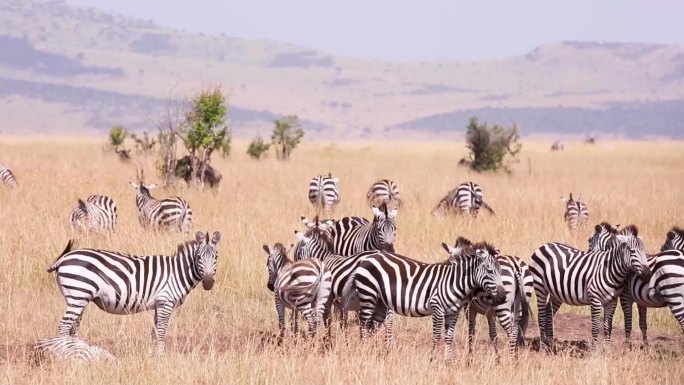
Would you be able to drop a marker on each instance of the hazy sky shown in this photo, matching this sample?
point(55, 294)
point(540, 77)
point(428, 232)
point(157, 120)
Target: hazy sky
point(420, 29)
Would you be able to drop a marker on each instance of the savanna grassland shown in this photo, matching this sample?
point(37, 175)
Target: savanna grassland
point(226, 335)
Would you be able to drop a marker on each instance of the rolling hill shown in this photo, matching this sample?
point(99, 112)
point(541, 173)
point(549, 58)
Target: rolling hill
point(65, 69)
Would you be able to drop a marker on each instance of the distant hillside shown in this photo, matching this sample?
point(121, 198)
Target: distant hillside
point(68, 69)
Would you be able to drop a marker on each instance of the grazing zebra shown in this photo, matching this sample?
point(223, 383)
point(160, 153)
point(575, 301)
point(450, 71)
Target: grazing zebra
point(513, 314)
point(7, 177)
point(557, 146)
point(674, 240)
point(97, 213)
point(563, 274)
point(390, 282)
point(122, 284)
point(350, 237)
point(665, 288)
point(383, 191)
point(302, 286)
point(165, 213)
point(576, 213)
point(324, 193)
point(68, 348)
point(466, 198)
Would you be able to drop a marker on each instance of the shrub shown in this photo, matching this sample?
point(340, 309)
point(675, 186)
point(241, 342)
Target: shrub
point(490, 145)
point(287, 134)
point(258, 148)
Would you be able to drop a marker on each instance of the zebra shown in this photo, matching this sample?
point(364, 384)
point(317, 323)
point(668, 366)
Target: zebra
point(165, 213)
point(383, 191)
point(563, 274)
point(674, 240)
point(68, 348)
point(324, 192)
point(576, 213)
point(301, 286)
point(97, 213)
point(385, 282)
point(557, 146)
point(513, 314)
point(7, 177)
point(666, 288)
point(466, 198)
point(122, 284)
point(350, 237)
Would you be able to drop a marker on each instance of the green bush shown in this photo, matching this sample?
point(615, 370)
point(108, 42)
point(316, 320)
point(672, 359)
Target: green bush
point(258, 148)
point(287, 134)
point(490, 146)
point(117, 135)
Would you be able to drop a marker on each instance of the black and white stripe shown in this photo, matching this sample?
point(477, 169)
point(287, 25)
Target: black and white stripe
point(576, 213)
point(7, 177)
point(465, 199)
point(350, 237)
point(565, 275)
point(171, 212)
point(513, 314)
point(383, 191)
point(665, 288)
point(674, 240)
point(97, 213)
point(122, 284)
point(324, 193)
point(68, 348)
point(386, 282)
point(301, 286)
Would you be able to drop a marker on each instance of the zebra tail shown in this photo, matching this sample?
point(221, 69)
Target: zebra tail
point(524, 320)
point(348, 292)
point(489, 209)
point(57, 262)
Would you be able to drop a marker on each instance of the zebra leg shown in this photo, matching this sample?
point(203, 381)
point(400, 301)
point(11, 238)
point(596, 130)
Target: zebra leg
point(437, 325)
point(542, 314)
point(472, 318)
point(626, 306)
point(450, 324)
point(163, 314)
point(280, 308)
point(608, 313)
point(70, 322)
point(293, 323)
point(492, 333)
point(595, 321)
point(365, 321)
point(643, 323)
point(552, 309)
point(309, 315)
point(389, 329)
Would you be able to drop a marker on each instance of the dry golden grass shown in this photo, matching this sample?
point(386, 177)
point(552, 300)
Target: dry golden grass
point(223, 336)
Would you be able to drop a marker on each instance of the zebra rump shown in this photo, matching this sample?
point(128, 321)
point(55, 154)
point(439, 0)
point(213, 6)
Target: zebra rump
point(324, 192)
point(383, 191)
point(7, 177)
point(466, 198)
point(96, 213)
point(68, 348)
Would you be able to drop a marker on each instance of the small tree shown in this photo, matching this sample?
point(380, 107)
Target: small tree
point(286, 136)
point(258, 148)
point(205, 129)
point(490, 145)
point(117, 136)
point(144, 145)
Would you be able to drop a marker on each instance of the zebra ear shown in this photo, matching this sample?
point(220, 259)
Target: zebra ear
point(150, 186)
point(392, 213)
point(216, 237)
point(446, 247)
point(134, 185)
point(199, 237)
point(305, 221)
point(670, 235)
point(377, 213)
point(301, 237)
point(266, 249)
point(597, 229)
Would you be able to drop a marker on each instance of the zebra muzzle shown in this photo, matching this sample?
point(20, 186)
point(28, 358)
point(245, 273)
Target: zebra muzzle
point(208, 282)
point(499, 296)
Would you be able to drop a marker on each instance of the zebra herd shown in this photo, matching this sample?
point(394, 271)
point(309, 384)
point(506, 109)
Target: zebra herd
point(351, 264)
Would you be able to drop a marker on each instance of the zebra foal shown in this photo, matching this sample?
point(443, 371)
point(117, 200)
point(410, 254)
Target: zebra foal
point(96, 213)
point(166, 213)
point(68, 348)
point(387, 283)
point(301, 286)
point(122, 284)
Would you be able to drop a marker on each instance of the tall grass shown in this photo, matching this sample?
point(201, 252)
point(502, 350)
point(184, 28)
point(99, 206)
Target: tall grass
point(224, 335)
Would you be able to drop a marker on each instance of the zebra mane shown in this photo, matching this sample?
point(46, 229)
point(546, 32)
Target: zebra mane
point(462, 241)
point(322, 234)
point(484, 245)
point(186, 245)
point(630, 230)
point(279, 247)
point(678, 230)
point(608, 227)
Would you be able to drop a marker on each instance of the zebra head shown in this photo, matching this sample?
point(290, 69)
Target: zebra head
point(674, 240)
point(385, 227)
point(638, 260)
point(316, 242)
point(78, 215)
point(603, 234)
point(277, 258)
point(488, 273)
point(206, 257)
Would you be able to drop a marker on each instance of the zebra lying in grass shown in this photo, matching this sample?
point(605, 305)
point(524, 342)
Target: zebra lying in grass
point(301, 286)
point(465, 199)
point(97, 213)
point(123, 284)
point(68, 348)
